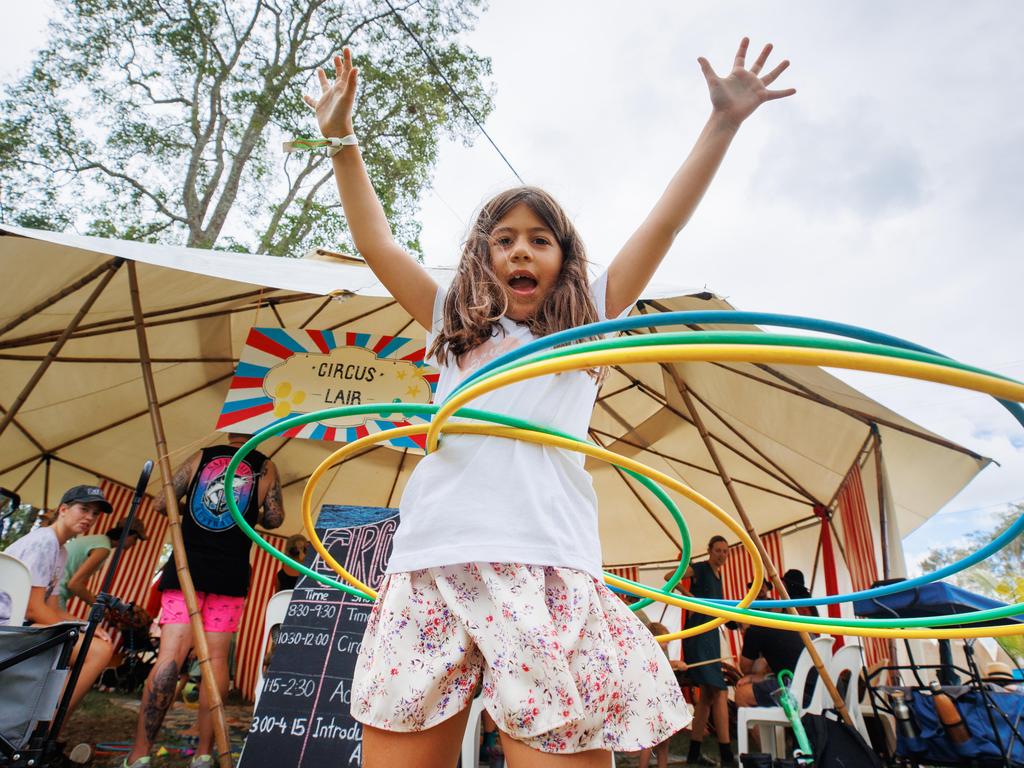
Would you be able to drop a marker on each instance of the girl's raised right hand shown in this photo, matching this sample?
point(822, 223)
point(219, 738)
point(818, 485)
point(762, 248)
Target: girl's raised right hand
point(334, 107)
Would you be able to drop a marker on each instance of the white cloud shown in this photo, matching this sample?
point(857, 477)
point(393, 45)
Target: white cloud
point(886, 193)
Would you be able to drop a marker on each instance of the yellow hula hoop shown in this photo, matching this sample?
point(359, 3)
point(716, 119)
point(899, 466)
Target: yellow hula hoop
point(1000, 630)
point(978, 382)
point(736, 353)
point(723, 614)
point(345, 452)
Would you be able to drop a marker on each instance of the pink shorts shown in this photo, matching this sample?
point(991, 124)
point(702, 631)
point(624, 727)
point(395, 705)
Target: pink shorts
point(565, 667)
point(221, 613)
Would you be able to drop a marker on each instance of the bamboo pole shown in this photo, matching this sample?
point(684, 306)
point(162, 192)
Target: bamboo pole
point(104, 328)
point(662, 400)
point(220, 726)
point(883, 516)
point(47, 458)
point(31, 472)
point(41, 368)
point(636, 495)
point(54, 298)
point(28, 435)
point(772, 571)
point(883, 525)
point(119, 422)
point(683, 462)
point(115, 360)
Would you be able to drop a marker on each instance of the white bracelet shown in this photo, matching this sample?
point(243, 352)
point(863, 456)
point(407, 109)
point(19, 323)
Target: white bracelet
point(333, 145)
point(337, 144)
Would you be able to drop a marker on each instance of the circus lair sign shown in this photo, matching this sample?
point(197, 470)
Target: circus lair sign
point(282, 373)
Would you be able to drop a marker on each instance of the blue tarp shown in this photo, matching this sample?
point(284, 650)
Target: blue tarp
point(935, 599)
point(932, 744)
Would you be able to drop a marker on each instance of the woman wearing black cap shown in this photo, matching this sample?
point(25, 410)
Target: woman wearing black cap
point(43, 553)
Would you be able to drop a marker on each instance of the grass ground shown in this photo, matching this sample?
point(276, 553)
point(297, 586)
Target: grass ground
point(107, 722)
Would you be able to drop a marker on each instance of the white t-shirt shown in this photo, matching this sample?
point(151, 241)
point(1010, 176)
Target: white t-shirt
point(490, 499)
point(45, 557)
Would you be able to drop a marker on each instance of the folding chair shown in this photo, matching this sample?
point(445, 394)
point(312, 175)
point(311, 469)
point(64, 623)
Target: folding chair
point(36, 679)
point(769, 719)
point(17, 584)
point(277, 609)
point(33, 671)
point(848, 660)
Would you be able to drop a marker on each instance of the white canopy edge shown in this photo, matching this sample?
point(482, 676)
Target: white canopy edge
point(314, 276)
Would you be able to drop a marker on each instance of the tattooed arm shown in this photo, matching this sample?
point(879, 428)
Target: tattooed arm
point(181, 479)
point(273, 503)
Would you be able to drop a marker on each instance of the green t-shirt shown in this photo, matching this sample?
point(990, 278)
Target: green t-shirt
point(78, 549)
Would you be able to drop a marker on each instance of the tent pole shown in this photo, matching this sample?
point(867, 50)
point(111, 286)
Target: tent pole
point(398, 474)
point(772, 571)
point(66, 291)
point(41, 369)
point(814, 568)
point(220, 727)
point(663, 402)
point(839, 544)
point(739, 435)
point(47, 458)
point(883, 516)
point(28, 435)
point(676, 460)
point(636, 495)
point(31, 472)
point(107, 327)
point(883, 526)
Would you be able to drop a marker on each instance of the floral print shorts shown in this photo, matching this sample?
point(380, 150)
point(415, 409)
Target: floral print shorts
point(564, 665)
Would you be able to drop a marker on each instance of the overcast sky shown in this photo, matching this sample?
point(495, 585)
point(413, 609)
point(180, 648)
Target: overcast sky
point(887, 193)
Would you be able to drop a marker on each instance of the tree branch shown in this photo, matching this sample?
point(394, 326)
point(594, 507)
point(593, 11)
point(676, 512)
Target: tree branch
point(135, 184)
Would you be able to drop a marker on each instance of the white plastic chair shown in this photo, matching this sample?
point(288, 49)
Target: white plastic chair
point(277, 608)
point(17, 583)
point(471, 739)
point(849, 659)
point(769, 719)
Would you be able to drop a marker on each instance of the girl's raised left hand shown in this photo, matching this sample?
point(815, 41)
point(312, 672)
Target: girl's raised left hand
point(735, 97)
point(334, 107)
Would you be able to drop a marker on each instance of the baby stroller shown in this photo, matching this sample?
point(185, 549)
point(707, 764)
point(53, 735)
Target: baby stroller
point(36, 677)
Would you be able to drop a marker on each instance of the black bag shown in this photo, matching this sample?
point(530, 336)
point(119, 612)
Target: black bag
point(837, 745)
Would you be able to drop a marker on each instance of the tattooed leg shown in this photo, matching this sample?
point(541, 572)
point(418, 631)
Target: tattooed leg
point(157, 698)
point(161, 685)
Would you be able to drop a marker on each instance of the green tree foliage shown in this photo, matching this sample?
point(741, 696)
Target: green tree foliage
point(16, 523)
point(163, 119)
point(1000, 576)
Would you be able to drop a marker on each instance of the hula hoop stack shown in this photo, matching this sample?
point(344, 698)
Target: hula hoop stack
point(589, 347)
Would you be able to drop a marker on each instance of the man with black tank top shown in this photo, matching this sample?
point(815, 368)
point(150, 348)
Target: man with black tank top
point(218, 560)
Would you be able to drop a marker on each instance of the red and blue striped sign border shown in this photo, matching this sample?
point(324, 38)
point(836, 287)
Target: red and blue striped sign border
point(248, 409)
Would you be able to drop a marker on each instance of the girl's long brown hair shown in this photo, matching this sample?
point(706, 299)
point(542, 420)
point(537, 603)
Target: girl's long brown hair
point(476, 299)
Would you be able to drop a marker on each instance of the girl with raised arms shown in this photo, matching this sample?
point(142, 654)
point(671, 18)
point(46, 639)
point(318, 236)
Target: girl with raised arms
point(495, 577)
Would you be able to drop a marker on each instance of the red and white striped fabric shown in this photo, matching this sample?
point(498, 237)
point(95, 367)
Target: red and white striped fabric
point(859, 543)
point(262, 585)
point(138, 565)
point(630, 572)
point(738, 571)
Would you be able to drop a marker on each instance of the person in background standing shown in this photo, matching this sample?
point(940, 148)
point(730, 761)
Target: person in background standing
point(218, 559)
point(706, 582)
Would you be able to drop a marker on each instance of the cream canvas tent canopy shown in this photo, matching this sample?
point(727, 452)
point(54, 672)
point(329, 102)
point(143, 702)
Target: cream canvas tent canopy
point(787, 435)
